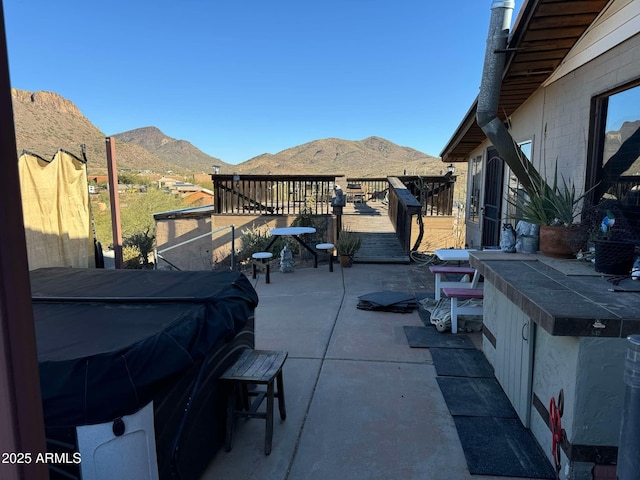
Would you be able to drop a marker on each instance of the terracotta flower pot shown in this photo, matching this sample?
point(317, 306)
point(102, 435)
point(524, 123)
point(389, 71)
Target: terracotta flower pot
point(346, 260)
point(555, 241)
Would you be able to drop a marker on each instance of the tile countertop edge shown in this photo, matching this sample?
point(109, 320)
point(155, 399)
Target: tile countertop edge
point(556, 325)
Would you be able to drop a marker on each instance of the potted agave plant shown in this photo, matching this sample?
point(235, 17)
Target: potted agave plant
point(554, 208)
point(347, 245)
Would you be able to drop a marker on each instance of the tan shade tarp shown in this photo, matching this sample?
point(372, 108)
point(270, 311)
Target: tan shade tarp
point(55, 204)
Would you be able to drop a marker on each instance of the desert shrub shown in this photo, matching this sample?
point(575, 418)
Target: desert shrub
point(306, 219)
point(255, 238)
point(144, 243)
point(131, 257)
point(136, 212)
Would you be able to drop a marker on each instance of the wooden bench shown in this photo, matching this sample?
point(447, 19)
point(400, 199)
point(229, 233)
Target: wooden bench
point(441, 272)
point(255, 367)
point(465, 293)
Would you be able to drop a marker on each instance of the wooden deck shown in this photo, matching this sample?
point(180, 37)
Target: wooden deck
point(379, 241)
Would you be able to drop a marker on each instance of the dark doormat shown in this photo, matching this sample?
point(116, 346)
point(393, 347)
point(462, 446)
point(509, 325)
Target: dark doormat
point(458, 362)
point(475, 397)
point(501, 446)
point(429, 337)
point(388, 301)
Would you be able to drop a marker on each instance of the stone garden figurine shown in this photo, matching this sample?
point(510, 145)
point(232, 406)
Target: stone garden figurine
point(508, 240)
point(286, 259)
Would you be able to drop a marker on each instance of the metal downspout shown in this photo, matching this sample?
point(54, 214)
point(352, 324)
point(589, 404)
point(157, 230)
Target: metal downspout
point(489, 96)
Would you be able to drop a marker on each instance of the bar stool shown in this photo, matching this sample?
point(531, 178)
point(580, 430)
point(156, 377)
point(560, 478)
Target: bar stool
point(255, 367)
point(261, 258)
point(329, 248)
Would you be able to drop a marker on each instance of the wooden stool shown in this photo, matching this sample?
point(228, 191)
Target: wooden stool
point(255, 367)
point(329, 247)
point(262, 258)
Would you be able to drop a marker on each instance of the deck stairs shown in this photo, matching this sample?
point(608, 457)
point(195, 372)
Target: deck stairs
point(380, 243)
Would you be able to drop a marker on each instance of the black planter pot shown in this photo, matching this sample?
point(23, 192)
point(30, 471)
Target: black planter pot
point(614, 257)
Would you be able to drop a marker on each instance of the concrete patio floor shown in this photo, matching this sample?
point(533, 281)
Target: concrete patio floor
point(361, 404)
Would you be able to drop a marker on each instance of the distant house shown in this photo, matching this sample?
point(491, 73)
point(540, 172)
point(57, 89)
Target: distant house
point(570, 89)
point(194, 195)
point(200, 198)
point(98, 179)
point(168, 182)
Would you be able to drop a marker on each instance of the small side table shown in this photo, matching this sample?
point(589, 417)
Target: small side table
point(329, 248)
point(262, 258)
point(255, 367)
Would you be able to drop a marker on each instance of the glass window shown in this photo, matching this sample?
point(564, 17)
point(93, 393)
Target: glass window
point(615, 153)
point(514, 187)
point(476, 185)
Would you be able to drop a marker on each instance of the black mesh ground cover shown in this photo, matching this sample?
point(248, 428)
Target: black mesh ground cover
point(429, 337)
point(478, 397)
point(458, 362)
point(492, 436)
point(501, 446)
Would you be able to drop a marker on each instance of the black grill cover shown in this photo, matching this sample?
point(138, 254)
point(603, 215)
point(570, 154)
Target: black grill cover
point(108, 340)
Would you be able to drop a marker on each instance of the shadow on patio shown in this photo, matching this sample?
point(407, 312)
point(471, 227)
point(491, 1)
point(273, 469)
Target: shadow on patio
point(360, 402)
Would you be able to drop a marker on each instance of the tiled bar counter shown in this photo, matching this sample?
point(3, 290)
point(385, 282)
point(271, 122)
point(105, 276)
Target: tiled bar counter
point(554, 325)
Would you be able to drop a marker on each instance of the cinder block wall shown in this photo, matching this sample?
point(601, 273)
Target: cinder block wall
point(196, 255)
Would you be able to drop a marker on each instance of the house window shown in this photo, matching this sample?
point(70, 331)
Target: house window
point(614, 152)
point(514, 187)
point(476, 184)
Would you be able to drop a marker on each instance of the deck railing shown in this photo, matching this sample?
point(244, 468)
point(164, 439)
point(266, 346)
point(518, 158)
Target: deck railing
point(376, 188)
point(402, 207)
point(290, 194)
point(273, 194)
point(435, 193)
point(406, 196)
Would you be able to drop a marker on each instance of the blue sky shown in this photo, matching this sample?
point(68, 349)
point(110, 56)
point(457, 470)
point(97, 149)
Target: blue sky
point(238, 78)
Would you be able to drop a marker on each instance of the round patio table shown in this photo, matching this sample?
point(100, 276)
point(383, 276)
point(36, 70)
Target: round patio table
point(294, 232)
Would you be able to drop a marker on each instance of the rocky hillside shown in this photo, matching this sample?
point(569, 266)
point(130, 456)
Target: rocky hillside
point(170, 149)
point(615, 139)
point(46, 122)
point(370, 157)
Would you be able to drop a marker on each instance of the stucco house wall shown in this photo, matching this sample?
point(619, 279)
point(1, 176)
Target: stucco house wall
point(556, 118)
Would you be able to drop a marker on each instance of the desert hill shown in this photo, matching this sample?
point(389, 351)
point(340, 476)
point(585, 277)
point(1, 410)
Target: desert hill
point(370, 157)
point(46, 122)
point(170, 149)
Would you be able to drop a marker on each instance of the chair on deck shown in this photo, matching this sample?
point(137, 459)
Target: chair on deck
point(356, 193)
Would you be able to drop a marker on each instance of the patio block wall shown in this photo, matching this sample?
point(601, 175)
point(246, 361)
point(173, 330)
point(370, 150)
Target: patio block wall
point(192, 256)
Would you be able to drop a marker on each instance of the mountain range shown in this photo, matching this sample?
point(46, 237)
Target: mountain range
point(46, 122)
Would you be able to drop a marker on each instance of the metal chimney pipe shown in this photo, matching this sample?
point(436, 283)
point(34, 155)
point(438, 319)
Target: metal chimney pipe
point(494, 60)
point(489, 96)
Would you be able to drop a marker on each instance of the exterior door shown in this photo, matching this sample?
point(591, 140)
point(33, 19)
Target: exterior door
point(492, 199)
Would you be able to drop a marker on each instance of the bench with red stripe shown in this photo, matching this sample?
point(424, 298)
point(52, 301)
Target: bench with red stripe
point(462, 293)
point(441, 272)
